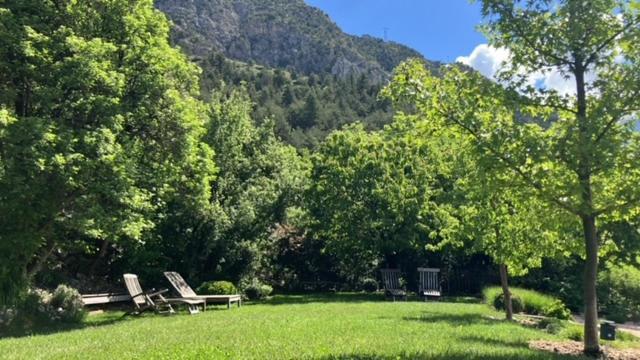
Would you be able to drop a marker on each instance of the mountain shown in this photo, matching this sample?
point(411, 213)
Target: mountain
point(286, 34)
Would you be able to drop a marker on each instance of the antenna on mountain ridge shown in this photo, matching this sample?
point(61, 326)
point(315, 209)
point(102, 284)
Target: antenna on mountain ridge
point(386, 32)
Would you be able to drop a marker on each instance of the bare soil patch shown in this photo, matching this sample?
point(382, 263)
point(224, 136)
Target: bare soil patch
point(575, 348)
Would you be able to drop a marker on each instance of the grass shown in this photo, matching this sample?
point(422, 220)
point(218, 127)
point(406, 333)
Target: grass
point(340, 326)
point(533, 301)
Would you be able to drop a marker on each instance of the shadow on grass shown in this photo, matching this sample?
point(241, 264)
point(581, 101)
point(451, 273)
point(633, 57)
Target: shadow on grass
point(504, 350)
point(345, 297)
point(105, 319)
point(91, 321)
point(453, 318)
point(322, 298)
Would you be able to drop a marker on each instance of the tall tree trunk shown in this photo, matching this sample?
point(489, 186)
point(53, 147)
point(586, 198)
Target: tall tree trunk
point(504, 282)
point(591, 341)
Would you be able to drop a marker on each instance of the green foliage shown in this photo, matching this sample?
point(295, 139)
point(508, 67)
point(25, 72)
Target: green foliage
point(371, 195)
point(577, 153)
point(574, 332)
point(305, 109)
point(619, 292)
point(67, 304)
point(516, 303)
point(99, 129)
point(551, 325)
point(369, 285)
point(557, 309)
point(531, 302)
point(258, 291)
point(217, 288)
point(41, 308)
point(259, 181)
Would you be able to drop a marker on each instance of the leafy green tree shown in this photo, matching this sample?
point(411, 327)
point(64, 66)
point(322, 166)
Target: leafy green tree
point(99, 127)
point(371, 194)
point(260, 180)
point(308, 115)
point(585, 159)
point(509, 224)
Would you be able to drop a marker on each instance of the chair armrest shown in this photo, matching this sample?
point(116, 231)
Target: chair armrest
point(136, 295)
point(153, 292)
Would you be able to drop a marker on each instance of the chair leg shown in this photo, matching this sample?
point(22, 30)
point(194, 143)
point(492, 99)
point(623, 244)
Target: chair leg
point(193, 309)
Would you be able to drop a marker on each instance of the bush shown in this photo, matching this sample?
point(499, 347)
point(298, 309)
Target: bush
point(619, 293)
point(217, 288)
point(531, 302)
point(516, 303)
point(551, 325)
point(369, 285)
point(573, 332)
point(557, 310)
point(41, 308)
point(257, 291)
point(66, 305)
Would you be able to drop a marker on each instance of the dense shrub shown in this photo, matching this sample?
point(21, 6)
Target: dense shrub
point(369, 285)
point(557, 310)
point(41, 308)
point(66, 304)
point(531, 302)
point(257, 291)
point(551, 325)
point(217, 288)
point(516, 303)
point(619, 293)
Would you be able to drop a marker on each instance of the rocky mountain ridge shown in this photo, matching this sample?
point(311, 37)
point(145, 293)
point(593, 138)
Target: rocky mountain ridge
point(287, 34)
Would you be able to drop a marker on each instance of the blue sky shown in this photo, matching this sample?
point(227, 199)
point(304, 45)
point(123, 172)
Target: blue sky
point(439, 29)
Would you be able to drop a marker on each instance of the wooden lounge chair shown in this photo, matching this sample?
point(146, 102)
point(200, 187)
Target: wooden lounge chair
point(186, 292)
point(153, 300)
point(429, 285)
point(391, 281)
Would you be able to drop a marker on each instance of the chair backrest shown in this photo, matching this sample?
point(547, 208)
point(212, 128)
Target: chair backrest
point(429, 279)
point(391, 279)
point(134, 288)
point(179, 284)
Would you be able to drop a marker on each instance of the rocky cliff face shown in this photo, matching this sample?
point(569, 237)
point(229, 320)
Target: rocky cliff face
point(281, 34)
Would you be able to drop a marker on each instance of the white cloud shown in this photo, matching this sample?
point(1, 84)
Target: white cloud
point(487, 60)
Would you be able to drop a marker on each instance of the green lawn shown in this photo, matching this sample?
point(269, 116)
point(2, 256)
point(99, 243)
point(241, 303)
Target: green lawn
point(294, 327)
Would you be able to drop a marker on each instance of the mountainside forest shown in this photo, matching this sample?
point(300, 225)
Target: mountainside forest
point(296, 64)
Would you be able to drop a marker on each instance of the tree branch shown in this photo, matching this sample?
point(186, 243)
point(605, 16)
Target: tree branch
point(531, 182)
point(594, 55)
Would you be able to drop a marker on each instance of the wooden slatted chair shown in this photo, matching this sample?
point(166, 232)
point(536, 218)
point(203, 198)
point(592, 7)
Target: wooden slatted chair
point(186, 292)
point(153, 300)
point(392, 286)
point(429, 285)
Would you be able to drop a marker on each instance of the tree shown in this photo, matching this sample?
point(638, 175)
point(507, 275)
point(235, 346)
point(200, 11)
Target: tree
point(371, 194)
point(99, 127)
point(307, 116)
point(484, 214)
point(583, 157)
point(259, 180)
